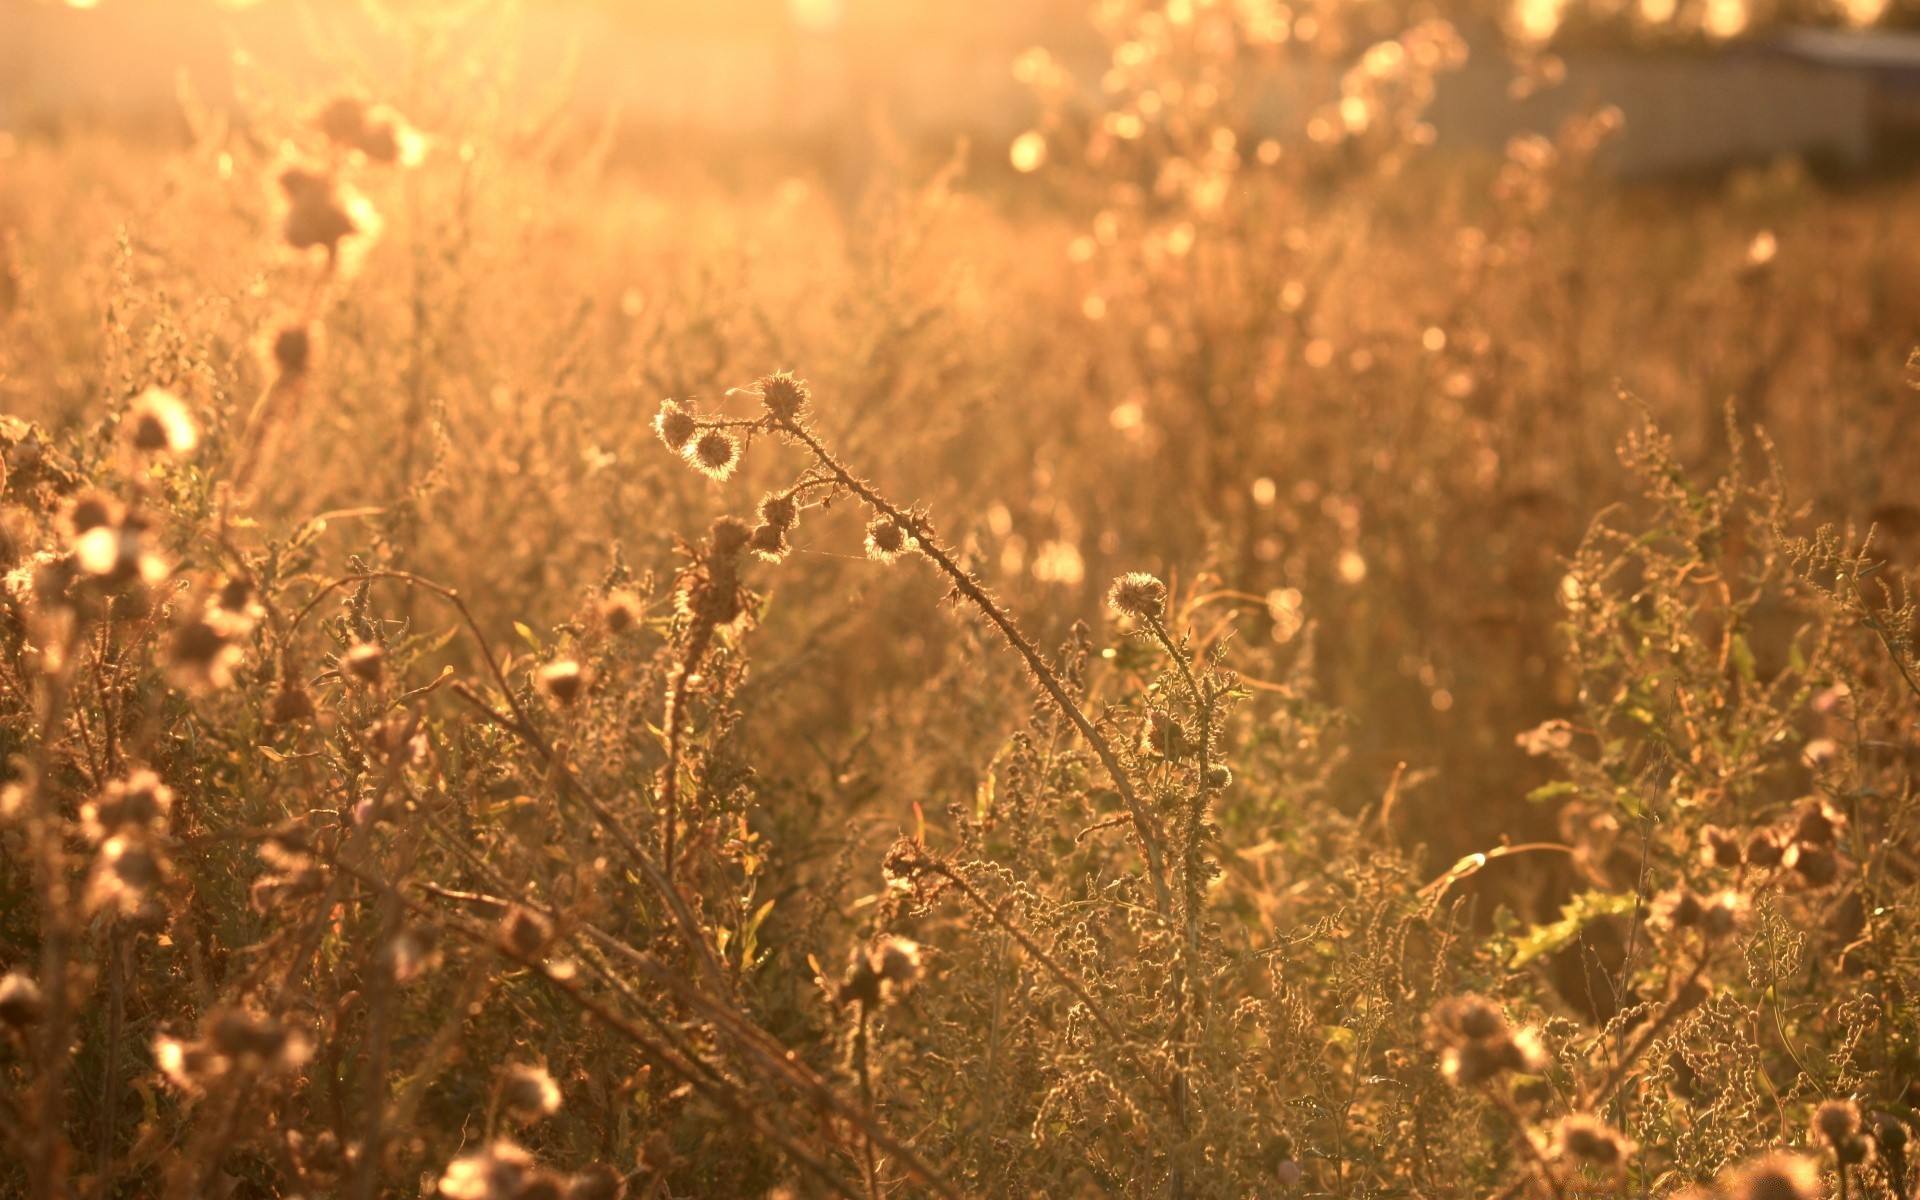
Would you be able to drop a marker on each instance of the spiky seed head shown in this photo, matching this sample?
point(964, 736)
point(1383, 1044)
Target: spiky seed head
point(1219, 776)
point(780, 510)
point(366, 661)
point(1588, 1138)
point(563, 681)
point(886, 540)
point(769, 542)
point(621, 611)
point(730, 536)
point(528, 1092)
point(1138, 594)
point(714, 454)
point(675, 425)
point(316, 216)
point(1720, 847)
point(158, 423)
point(860, 984)
point(784, 396)
point(21, 1003)
point(1774, 1176)
point(1836, 1121)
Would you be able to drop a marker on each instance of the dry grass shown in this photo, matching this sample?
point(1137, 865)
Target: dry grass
point(1490, 772)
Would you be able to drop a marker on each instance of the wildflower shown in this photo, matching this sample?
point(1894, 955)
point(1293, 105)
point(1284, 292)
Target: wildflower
point(109, 543)
point(366, 662)
point(563, 680)
point(316, 214)
point(523, 933)
point(1775, 1176)
point(1588, 1138)
point(1720, 847)
point(21, 1002)
point(528, 1093)
point(158, 423)
point(675, 425)
point(499, 1171)
point(1837, 1122)
point(1138, 594)
point(784, 396)
point(886, 539)
point(714, 454)
point(138, 804)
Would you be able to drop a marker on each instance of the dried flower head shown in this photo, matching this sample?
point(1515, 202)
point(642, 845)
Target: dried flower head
point(258, 1040)
point(1816, 866)
point(291, 703)
point(769, 542)
point(886, 540)
point(675, 425)
point(316, 213)
point(125, 871)
point(1677, 908)
point(1476, 1043)
point(1836, 1121)
point(1766, 848)
point(1817, 823)
point(622, 611)
point(158, 423)
point(1140, 595)
point(780, 510)
point(499, 1171)
point(1586, 1137)
point(1720, 847)
point(137, 805)
point(714, 454)
point(784, 396)
point(598, 1182)
point(563, 681)
point(201, 656)
point(879, 973)
point(21, 1002)
point(292, 352)
point(1723, 914)
point(1775, 1176)
point(528, 1092)
point(523, 933)
point(366, 661)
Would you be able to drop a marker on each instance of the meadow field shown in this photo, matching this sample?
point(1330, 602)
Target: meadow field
point(1160, 658)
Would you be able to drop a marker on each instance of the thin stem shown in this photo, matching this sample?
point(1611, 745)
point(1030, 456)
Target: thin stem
point(970, 588)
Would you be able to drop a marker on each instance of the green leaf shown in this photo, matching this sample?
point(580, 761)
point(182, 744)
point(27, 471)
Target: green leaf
point(1552, 791)
point(1575, 915)
point(528, 635)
